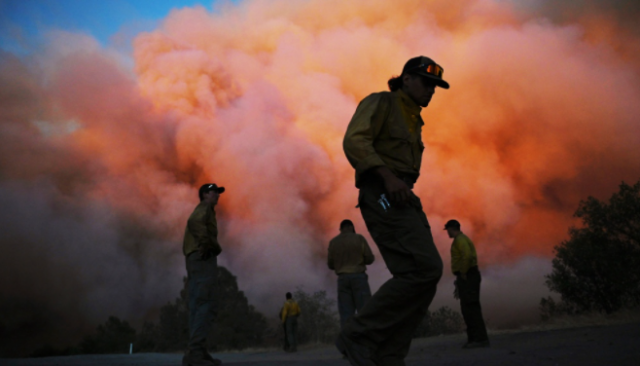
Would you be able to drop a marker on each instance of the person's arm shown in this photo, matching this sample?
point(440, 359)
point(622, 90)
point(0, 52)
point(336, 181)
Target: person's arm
point(330, 262)
point(465, 257)
point(460, 257)
point(367, 253)
point(285, 310)
point(455, 257)
point(197, 225)
point(397, 189)
point(364, 127)
point(216, 249)
point(361, 132)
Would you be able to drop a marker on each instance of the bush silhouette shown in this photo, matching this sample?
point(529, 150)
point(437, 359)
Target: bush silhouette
point(597, 269)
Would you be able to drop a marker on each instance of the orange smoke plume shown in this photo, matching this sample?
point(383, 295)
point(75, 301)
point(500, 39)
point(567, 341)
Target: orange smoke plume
point(509, 145)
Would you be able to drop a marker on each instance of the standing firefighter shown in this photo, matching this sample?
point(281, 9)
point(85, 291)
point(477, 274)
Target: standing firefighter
point(201, 249)
point(290, 312)
point(349, 253)
point(464, 264)
point(384, 144)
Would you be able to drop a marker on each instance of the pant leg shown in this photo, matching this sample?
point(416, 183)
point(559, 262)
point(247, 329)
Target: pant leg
point(286, 339)
point(360, 289)
point(393, 351)
point(292, 327)
point(403, 236)
point(346, 303)
point(295, 333)
point(470, 307)
point(202, 286)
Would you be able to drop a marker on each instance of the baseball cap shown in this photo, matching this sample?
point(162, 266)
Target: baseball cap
point(205, 188)
point(424, 66)
point(452, 224)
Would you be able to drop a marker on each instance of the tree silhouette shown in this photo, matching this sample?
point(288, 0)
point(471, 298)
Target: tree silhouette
point(598, 268)
point(237, 326)
point(442, 321)
point(318, 321)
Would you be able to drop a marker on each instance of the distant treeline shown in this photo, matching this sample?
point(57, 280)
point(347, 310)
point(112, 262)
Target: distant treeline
point(238, 325)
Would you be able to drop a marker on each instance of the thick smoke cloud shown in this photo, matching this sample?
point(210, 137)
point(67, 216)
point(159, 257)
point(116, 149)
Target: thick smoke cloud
point(77, 243)
point(610, 22)
point(100, 163)
point(624, 12)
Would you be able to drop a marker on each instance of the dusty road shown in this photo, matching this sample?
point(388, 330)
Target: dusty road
point(616, 345)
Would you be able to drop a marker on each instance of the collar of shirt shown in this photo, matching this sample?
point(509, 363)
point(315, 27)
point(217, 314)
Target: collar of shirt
point(408, 102)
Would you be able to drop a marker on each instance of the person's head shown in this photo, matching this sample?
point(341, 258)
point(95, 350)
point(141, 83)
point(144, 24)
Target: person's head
point(210, 193)
point(453, 228)
point(419, 79)
point(346, 226)
point(288, 295)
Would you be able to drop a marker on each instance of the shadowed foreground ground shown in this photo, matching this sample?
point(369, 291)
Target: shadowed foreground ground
point(617, 345)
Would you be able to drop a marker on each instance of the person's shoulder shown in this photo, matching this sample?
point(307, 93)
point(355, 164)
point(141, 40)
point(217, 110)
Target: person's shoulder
point(378, 97)
point(382, 94)
point(350, 236)
point(335, 238)
point(462, 238)
point(201, 207)
point(359, 237)
point(342, 237)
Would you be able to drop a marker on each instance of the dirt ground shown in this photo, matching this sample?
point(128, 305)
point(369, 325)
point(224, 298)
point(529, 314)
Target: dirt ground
point(612, 345)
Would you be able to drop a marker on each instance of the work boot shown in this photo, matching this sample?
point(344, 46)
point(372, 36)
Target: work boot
point(200, 359)
point(357, 354)
point(215, 361)
point(481, 344)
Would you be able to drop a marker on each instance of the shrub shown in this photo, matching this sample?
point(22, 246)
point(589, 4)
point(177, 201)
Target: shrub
point(597, 268)
point(442, 321)
point(318, 321)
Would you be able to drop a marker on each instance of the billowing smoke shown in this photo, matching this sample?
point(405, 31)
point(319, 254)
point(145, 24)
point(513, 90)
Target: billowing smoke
point(100, 163)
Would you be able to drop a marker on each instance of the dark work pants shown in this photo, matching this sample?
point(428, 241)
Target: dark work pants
point(387, 322)
point(353, 292)
point(286, 340)
point(469, 292)
point(291, 324)
point(202, 287)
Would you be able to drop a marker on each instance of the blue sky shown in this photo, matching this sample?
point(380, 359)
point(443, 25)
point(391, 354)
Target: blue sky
point(24, 22)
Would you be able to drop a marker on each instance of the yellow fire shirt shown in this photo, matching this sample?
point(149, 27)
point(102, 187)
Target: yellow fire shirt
point(463, 254)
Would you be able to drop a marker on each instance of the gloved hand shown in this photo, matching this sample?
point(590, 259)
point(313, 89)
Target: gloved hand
point(205, 253)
